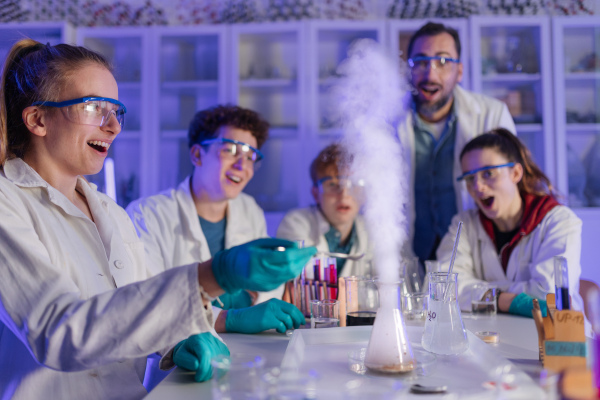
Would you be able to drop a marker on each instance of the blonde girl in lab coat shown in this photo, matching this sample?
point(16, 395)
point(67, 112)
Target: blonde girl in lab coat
point(78, 314)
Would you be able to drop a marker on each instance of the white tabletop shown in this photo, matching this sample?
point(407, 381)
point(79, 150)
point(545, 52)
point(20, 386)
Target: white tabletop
point(518, 343)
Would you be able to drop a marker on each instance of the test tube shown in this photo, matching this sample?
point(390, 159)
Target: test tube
point(561, 281)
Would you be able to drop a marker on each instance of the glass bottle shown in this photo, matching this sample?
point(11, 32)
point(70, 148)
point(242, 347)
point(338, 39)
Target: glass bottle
point(389, 349)
point(444, 329)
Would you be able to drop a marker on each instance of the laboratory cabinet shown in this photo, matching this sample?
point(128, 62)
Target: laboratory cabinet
point(511, 61)
point(128, 50)
point(577, 126)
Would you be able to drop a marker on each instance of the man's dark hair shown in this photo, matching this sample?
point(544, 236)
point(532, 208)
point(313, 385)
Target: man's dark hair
point(206, 123)
point(433, 29)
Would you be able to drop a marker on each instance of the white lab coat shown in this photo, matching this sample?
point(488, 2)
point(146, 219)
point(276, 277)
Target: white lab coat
point(77, 318)
point(475, 114)
point(310, 225)
point(530, 266)
point(168, 225)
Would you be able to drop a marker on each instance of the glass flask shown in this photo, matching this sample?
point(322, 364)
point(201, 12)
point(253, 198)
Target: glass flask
point(430, 266)
point(389, 349)
point(444, 329)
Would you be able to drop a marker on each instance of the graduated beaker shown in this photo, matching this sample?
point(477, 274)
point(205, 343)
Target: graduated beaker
point(444, 329)
point(362, 301)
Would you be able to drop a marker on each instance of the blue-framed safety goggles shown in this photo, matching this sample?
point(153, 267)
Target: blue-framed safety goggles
point(337, 184)
point(236, 149)
point(437, 62)
point(95, 111)
point(473, 172)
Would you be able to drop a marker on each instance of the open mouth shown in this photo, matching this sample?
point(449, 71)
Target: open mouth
point(487, 202)
point(97, 145)
point(429, 89)
point(233, 178)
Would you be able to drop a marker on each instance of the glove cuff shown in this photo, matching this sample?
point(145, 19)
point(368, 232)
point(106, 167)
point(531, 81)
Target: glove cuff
point(522, 304)
point(220, 274)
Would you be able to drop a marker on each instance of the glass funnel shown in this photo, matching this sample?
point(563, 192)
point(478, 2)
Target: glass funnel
point(444, 329)
point(389, 349)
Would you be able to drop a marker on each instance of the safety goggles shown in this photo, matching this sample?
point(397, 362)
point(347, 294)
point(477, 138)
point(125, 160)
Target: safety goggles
point(487, 174)
point(421, 63)
point(235, 149)
point(335, 185)
point(95, 111)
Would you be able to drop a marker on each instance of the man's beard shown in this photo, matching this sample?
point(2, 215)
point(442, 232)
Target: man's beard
point(427, 110)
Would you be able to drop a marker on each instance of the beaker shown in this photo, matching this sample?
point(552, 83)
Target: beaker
point(389, 349)
point(444, 329)
point(362, 301)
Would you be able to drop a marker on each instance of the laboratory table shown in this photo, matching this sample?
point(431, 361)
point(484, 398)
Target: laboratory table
point(517, 342)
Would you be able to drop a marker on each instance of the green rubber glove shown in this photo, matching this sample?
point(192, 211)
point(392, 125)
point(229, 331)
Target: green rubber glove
point(522, 304)
point(239, 299)
point(195, 353)
point(259, 265)
point(273, 314)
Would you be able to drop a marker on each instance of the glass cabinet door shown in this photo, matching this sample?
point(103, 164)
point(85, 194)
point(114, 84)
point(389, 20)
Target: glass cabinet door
point(123, 48)
point(267, 77)
point(511, 62)
point(577, 83)
point(192, 78)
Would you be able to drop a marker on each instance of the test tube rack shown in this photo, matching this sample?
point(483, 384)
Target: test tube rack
point(564, 344)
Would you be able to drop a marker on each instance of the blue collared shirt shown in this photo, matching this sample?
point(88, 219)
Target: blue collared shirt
point(435, 200)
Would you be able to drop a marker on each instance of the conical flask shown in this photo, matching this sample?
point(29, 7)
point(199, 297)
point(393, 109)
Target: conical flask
point(389, 349)
point(444, 329)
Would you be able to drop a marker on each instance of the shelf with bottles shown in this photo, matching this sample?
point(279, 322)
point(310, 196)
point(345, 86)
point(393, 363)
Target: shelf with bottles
point(329, 42)
point(511, 61)
point(178, 106)
point(191, 75)
point(577, 109)
point(400, 32)
point(266, 70)
point(44, 32)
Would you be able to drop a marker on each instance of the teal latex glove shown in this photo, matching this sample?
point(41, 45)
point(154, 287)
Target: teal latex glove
point(273, 314)
point(522, 304)
point(195, 353)
point(239, 299)
point(258, 265)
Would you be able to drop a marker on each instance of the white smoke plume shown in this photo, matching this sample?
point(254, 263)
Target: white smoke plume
point(370, 98)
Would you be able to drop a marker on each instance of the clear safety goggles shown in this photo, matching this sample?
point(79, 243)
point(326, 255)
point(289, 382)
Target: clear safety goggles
point(421, 63)
point(235, 149)
point(488, 174)
point(95, 111)
point(335, 185)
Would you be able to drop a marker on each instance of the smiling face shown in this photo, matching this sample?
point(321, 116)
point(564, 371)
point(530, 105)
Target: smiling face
point(339, 209)
point(495, 191)
point(434, 86)
point(65, 148)
point(222, 176)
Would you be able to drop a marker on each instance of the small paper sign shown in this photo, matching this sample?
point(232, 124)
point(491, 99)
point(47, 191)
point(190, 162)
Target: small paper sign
point(565, 349)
